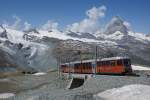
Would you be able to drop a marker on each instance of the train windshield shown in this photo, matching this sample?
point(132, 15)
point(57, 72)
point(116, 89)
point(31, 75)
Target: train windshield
point(127, 62)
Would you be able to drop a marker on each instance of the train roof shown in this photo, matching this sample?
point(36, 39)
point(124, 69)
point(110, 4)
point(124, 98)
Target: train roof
point(93, 60)
point(114, 58)
point(83, 61)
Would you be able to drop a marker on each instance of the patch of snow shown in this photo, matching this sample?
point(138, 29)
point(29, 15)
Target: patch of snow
point(139, 36)
point(39, 48)
point(15, 36)
point(115, 36)
point(33, 53)
point(128, 92)
point(4, 80)
point(6, 95)
point(1, 29)
point(62, 36)
point(136, 67)
point(109, 43)
point(40, 74)
point(3, 39)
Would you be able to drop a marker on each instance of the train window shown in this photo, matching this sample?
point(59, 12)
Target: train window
point(103, 64)
point(83, 65)
point(126, 61)
point(71, 65)
point(63, 66)
point(76, 65)
point(99, 63)
point(119, 62)
point(107, 63)
point(88, 65)
point(112, 63)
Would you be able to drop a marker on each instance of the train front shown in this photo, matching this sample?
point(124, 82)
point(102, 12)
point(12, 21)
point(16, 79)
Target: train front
point(127, 65)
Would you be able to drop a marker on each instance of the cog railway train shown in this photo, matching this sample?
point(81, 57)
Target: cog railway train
point(113, 65)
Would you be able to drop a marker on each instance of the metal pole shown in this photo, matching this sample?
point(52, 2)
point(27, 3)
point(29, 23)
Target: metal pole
point(95, 58)
point(80, 60)
point(59, 66)
point(80, 56)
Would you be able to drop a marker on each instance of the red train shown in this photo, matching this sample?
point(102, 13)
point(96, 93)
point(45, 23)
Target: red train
point(113, 65)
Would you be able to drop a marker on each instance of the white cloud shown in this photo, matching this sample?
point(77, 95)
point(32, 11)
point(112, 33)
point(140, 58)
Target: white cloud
point(16, 24)
point(27, 26)
point(50, 25)
point(90, 24)
point(86, 25)
point(95, 13)
point(127, 24)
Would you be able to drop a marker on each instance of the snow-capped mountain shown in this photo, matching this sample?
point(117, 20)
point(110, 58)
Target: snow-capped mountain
point(26, 54)
point(42, 50)
point(81, 35)
point(116, 24)
point(116, 30)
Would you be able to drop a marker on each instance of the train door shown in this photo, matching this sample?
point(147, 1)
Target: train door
point(127, 65)
point(77, 68)
point(71, 68)
point(93, 67)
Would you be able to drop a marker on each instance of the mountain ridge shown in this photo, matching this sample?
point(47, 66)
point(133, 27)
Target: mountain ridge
point(41, 50)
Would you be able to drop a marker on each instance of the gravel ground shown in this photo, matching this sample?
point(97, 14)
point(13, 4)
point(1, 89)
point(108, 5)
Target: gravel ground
point(51, 87)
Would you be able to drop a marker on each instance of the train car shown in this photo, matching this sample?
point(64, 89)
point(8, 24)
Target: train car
point(113, 65)
point(82, 67)
point(67, 68)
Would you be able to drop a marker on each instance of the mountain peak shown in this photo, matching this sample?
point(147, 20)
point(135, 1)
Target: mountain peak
point(1, 29)
point(116, 24)
point(32, 30)
point(3, 33)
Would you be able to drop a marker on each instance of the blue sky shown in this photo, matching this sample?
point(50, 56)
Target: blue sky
point(66, 12)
